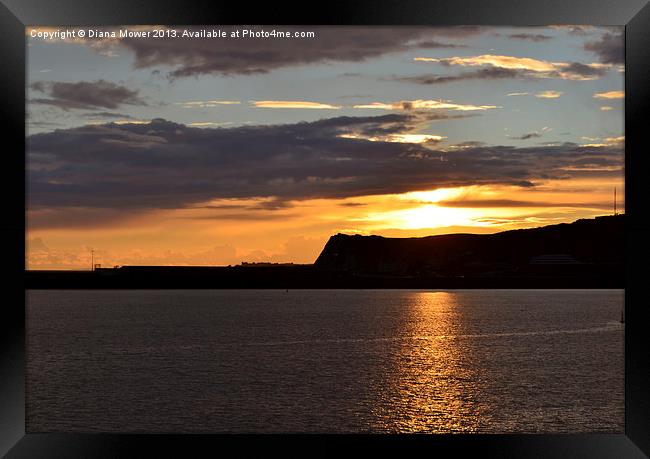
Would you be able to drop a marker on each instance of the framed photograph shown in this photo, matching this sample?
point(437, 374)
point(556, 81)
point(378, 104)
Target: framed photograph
point(414, 225)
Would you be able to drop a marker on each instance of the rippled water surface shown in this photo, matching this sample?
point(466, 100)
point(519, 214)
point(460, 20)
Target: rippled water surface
point(325, 361)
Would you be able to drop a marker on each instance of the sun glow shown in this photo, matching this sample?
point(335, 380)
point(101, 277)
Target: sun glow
point(425, 212)
point(440, 194)
point(429, 216)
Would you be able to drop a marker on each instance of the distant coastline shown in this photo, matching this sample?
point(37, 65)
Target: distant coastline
point(584, 254)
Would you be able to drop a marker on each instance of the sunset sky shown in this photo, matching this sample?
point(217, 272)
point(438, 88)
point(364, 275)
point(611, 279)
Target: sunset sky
point(207, 151)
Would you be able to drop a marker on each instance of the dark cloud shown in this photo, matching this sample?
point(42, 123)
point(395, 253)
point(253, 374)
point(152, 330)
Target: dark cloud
point(432, 44)
point(469, 144)
point(583, 70)
point(457, 31)
point(490, 203)
point(107, 115)
point(573, 70)
point(261, 55)
point(353, 204)
point(245, 56)
point(273, 204)
point(489, 73)
point(530, 135)
point(252, 216)
point(85, 94)
point(224, 207)
point(530, 36)
point(610, 48)
point(528, 183)
point(168, 165)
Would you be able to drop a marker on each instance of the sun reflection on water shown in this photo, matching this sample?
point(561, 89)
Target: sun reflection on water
point(434, 385)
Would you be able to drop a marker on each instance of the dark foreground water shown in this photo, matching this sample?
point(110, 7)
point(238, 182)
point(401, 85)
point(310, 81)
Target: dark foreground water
point(325, 361)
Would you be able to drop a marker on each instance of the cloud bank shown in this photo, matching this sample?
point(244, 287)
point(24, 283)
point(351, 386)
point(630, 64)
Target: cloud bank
point(164, 165)
point(246, 56)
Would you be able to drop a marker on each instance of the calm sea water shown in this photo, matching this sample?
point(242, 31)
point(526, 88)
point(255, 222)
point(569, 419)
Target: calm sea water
point(325, 361)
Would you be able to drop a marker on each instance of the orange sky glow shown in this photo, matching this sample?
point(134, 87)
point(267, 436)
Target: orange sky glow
point(220, 236)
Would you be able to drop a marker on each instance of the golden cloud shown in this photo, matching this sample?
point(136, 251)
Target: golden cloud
point(424, 104)
point(548, 94)
point(538, 68)
point(506, 62)
point(397, 138)
point(607, 141)
point(610, 95)
point(293, 104)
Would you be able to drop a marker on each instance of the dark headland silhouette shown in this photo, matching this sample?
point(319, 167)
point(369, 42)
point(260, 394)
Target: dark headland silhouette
point(587, 253)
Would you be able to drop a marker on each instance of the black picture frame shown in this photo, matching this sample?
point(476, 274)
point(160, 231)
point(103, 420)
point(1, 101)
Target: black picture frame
point(16, 14)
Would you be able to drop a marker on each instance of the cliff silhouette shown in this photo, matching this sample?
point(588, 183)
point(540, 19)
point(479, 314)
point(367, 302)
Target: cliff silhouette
point(587, 253)
point(572, 247)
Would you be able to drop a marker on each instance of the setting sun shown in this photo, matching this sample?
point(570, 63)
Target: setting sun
point(429, 216)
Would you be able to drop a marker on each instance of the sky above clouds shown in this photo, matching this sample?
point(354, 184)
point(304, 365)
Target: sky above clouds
point(207, 151)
